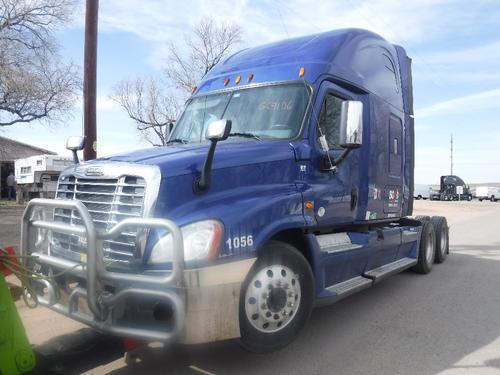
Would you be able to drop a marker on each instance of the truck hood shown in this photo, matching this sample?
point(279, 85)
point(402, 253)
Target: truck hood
point(188, 159)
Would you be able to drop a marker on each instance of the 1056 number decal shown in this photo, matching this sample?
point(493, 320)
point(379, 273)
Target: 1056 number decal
point(238, 242)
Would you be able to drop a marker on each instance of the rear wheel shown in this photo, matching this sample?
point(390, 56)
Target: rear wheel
point(426, 251)
point(442, 238)
point(276, 299)
point(493, 198)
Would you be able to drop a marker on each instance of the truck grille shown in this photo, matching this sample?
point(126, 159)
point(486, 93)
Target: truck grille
point(108, 201)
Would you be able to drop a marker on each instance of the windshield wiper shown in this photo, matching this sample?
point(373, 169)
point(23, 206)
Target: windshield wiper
point(245, 135)
point(177, 140)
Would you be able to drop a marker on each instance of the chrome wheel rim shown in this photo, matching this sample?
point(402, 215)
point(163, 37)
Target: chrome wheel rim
point(429, 249)
point(272, 298)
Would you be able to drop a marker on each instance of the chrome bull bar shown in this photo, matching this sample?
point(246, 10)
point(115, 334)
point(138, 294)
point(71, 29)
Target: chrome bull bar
point(161, 287)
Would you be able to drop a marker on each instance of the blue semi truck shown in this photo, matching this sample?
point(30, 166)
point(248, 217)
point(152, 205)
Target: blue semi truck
point(287, 183)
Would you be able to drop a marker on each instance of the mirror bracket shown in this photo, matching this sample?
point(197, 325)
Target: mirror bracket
point(216, 131)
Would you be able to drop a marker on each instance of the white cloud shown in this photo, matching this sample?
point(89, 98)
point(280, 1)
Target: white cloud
point(103, 103)
point(479, 101)
point(476, 65)
point(410, 22)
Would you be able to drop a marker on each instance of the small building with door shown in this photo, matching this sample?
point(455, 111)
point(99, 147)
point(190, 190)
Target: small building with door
point(11, 150)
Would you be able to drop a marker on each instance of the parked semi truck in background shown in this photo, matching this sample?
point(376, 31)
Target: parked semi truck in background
point(488, 193)
point(453, 188)
point(286, 183)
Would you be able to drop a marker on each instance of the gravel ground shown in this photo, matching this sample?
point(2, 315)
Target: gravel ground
point(446, 322)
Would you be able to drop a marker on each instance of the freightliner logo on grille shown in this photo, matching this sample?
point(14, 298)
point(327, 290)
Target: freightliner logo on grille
point(94, 171)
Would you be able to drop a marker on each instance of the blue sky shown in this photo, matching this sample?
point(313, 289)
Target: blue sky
point(455, 47)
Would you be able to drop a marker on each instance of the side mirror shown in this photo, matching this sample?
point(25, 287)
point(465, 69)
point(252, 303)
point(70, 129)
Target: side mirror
point(351, 124)
point(218, 130)
point(74, 144)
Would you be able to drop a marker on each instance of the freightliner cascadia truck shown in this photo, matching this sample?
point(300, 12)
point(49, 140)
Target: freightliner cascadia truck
point(287, 183)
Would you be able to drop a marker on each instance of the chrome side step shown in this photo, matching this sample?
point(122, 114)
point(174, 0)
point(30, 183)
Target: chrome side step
point(335, 243)
point(350, 286)
point(389, 269)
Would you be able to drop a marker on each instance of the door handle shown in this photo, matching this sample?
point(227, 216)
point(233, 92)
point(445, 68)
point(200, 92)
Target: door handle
point(354, 198)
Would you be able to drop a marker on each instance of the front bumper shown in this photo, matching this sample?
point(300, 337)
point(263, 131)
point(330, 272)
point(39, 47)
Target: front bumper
point(190, 306)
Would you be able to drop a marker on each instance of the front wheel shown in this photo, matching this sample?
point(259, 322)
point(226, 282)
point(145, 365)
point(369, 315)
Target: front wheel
point(276, 298)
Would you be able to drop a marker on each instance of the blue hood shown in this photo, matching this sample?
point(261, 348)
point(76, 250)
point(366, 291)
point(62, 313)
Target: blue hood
point(178, 160)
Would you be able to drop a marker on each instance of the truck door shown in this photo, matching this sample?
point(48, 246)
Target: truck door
point(394, 188)
point(337, 190)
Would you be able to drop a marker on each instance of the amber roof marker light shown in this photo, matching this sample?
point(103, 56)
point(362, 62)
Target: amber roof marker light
point(302, 71)
point(250, 78)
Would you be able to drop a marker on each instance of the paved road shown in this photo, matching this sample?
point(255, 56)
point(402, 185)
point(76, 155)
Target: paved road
point(10, 228)
point(445, 322)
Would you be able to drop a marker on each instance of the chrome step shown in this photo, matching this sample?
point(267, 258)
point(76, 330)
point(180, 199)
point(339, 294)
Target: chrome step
point(335, 242)
point(350, 286)
point(380, 273)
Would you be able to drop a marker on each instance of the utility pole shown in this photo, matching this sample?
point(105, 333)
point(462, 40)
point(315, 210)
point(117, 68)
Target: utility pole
point(89, 80)
point(451, 154)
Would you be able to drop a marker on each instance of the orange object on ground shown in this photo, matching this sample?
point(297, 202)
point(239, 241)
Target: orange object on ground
point(12, 257)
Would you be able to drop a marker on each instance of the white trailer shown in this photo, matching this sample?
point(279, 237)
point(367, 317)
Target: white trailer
point(422, 191)
point(37, 175)
point(488, 192)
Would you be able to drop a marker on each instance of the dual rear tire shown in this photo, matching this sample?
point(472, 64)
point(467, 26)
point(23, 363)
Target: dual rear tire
point(434, 243)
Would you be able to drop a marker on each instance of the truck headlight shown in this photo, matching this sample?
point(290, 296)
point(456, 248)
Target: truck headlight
point(201, 241)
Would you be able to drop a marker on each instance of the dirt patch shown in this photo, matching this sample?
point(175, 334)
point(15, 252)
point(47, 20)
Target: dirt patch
point(455, 212)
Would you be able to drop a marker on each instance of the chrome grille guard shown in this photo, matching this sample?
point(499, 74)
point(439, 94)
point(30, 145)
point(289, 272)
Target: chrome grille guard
point(94, 271)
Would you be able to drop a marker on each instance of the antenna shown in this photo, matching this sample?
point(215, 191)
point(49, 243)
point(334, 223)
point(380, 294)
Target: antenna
point(451, 154)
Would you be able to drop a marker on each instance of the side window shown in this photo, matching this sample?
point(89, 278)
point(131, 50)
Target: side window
point(329, 120)
point(389, 65)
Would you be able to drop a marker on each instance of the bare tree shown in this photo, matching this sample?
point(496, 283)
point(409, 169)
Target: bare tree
point(206, 48)
point(147, 103)
point(153, 105)
point(34, 82)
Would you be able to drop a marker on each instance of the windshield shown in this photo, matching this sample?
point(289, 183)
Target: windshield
point(270, 112)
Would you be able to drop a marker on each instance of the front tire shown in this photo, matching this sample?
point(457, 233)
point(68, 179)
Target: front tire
point(276, 298)
point(427, 249)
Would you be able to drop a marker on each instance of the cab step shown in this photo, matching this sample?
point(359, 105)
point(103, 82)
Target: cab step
point(383, 272)
point(335, 243)
point(350, 286)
